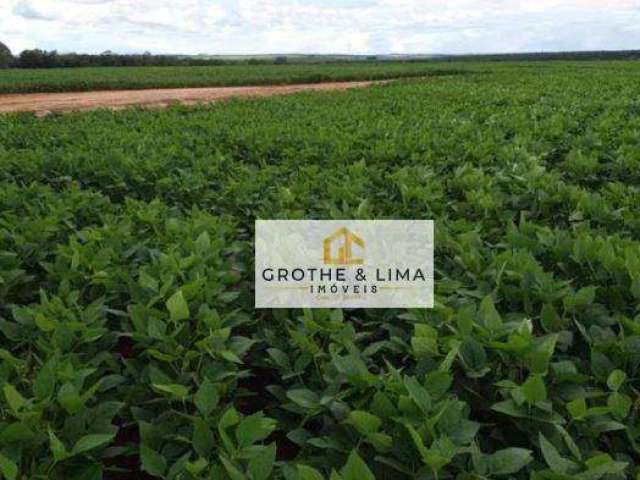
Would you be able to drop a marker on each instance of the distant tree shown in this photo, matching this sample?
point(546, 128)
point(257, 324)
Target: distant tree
point(38, 59)
point(280, 60)
point(6, 58)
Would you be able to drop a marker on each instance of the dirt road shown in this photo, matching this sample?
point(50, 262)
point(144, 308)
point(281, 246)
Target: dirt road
point(44, 103)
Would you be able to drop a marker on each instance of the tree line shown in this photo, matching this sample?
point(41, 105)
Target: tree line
point(544, 56)
point(37, 58)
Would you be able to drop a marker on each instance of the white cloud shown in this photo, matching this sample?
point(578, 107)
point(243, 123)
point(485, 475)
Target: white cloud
point(319, 26)
point(24, 9)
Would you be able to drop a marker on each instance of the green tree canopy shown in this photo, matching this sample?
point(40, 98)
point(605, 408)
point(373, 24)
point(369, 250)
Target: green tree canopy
point(5, 56)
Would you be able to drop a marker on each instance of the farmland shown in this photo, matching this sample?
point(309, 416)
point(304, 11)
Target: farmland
point(128, 338)
point(119, 78)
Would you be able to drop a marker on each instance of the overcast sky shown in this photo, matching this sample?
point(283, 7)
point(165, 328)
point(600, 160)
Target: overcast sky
point(319, 26)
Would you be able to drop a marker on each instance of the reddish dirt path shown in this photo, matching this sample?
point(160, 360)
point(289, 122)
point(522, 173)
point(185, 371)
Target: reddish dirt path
point(44, 103)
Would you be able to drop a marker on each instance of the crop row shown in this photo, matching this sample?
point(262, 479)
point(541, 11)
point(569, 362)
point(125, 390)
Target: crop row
point(119, 78)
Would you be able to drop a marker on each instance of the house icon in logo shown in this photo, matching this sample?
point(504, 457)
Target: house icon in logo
point(344, 240)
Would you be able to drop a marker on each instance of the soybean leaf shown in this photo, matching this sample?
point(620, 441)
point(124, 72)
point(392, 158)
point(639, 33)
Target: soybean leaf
point(89, 442)
point(254, 428)
point(8, 468)
point(152, 462)
point(178, 307)
point(206, 398)
point(356, 468)
point(261, 464)
point(509, 461)
point(553, 458)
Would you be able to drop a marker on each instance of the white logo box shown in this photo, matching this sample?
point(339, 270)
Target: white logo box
point(344, 263)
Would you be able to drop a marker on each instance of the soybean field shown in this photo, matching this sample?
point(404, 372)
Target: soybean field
point(129, 342)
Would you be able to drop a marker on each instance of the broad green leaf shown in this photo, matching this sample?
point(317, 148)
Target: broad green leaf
point(254, 428)
point(194, 468)
point(15, 400)
point(509, 461)
point(417, 441)
point(8, 357)
point(152, 462)
point(234, 472)
point(450, 357)
point(364, 422)
point(424, 346)
point(380, 441)
point(464, 319)
point(230, 356)
point(600, 465)
point(537, 361)
point(577, 408)
point(491, 319)
point(16, 432)
point(206, 398)
point(382, 406)
point(356, 469)
point(479, 461)
point(440, 453)
point(280, 358)
point(307, 473)
point(261, 464)
point(582, 298)
point(601, 366)
point(45, 381)
point(571, 444)
point(534, 390)
point(620, 404)
point(8, 468)
point(203, 243)
point(438, 383)
point(304, 397)
point(337, 315)
point(616, 379)
point(147, 281)
point(175, 389)
point(418, 394)
point(202, 440)
point(44, 323)
point(89, 442)
point(69, 398)
point(57, 447)
point(553, 458)
point(178, 307)
point(425, 340)
point(551, 321)
point(229, 418)
point(473, 355)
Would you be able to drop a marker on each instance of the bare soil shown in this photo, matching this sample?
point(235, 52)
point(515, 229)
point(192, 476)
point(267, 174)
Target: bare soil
point(44, 103)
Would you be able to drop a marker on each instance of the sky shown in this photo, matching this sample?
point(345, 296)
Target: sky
point(319, 26)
